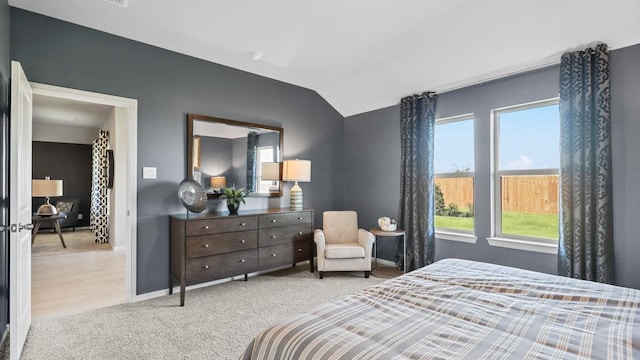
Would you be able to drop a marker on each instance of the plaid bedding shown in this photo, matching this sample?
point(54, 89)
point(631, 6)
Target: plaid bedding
point(458, 309)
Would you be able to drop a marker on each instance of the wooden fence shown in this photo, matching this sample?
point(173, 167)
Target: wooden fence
point(531, 194)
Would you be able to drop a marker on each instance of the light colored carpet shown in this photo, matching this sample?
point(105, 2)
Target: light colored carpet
point(217, 322)
point(48, 243)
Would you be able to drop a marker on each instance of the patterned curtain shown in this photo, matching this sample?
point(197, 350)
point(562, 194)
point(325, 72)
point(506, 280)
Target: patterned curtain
point(417, 189)
point(585, 250)
point(99, 218)
point(252, 159)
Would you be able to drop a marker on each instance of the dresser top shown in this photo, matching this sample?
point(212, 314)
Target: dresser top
point(226, 214)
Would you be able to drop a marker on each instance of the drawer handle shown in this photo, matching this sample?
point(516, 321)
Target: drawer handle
point(206, 245)
point(299, 250)
point(242, 260)
point(243, 241)
point(273, 236)
point(299, 232)
point(273, 254)
point(273, 220)
point(206, 227)
point(299, 218)
point(242, 224)
point(205, 267)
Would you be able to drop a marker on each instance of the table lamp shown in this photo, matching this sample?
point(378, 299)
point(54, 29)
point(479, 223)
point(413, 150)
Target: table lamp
point(271, 172)
point(217, 183)
point(46, 188)
point(296, 170)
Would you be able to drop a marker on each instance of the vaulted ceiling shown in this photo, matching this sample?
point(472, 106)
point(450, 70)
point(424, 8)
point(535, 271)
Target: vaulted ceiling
point(362, 55)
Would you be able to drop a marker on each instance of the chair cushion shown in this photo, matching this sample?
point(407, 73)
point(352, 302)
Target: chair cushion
point(340, 227)
point(64, 206)
point(343, 251)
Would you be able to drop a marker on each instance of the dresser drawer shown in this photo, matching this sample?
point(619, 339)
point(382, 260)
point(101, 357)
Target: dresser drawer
point(217, 266)
point(302, 250)
point(221, 225)
point(276, 255)
point(284, 234)
point(214, 244)
point(275, 220)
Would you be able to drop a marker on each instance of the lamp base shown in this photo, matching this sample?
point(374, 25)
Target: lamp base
point(296, 197)
point(47, 210)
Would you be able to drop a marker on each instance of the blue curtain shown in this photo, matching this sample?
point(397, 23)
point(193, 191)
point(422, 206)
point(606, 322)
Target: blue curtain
point(417, 188)
point(585, 250)
point(252, 159)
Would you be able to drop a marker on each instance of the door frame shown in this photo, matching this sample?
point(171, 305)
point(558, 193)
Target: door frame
point(131, 108)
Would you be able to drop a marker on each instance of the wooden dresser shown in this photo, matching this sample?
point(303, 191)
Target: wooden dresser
point(210, 246)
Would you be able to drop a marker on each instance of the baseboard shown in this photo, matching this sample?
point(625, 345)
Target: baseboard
point(386, 262)
point(119, 248)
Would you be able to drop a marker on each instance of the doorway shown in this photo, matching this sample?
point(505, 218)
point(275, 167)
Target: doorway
point(123, 126)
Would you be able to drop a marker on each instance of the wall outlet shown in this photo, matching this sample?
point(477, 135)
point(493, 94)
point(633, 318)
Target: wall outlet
point(80, 216)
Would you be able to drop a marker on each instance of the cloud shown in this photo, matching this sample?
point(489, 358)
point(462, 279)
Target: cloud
point(523, 162)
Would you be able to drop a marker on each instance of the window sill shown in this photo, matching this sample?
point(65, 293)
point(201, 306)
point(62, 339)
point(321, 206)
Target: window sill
point(526, 245)
point(454, 236)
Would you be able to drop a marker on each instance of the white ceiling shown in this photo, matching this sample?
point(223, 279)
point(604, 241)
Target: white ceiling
point(362, 55)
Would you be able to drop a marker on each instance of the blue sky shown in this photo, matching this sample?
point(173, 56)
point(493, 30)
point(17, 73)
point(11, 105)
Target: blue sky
point(529, 139)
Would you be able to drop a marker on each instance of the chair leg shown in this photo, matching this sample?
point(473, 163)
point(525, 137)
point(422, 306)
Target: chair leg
point(366, 274)
point(321, 274)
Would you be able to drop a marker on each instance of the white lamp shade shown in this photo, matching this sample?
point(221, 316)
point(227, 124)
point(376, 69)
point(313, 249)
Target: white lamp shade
point(46, 188)
point(297, 170)
point(271, 171)
point(218, 181)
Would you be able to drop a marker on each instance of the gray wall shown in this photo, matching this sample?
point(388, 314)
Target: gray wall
point(68, 162)
point(168, 86)
point(625, 131)
point(372, 163)
point(5, 73)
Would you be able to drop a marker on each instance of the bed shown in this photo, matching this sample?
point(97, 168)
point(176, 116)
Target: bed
point(459, 309)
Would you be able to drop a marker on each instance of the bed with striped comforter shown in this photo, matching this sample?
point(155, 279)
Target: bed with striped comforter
point(458, 309)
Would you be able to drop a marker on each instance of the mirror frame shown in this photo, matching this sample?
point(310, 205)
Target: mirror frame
point(190, 146)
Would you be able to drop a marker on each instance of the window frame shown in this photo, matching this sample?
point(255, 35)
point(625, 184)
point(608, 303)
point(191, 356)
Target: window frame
point(458, 234)
point(498, 238)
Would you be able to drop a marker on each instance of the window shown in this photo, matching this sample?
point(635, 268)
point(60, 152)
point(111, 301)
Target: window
point(527, 156)
point(453, 166)
point(265, 154)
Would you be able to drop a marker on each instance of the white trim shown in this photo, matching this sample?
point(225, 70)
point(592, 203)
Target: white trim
point(131, 106)
point(455, 118)
point(386, 262)
point(526, 245)
point(456, 236)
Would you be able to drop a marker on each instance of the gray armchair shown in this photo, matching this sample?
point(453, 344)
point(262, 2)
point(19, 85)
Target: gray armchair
point(67, 206)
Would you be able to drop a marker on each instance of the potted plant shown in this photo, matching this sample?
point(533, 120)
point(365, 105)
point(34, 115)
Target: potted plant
point(234, 197)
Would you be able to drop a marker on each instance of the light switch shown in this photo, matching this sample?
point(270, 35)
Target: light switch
point(149, 173)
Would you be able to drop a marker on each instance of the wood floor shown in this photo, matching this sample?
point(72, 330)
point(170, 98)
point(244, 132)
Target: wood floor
point(65, 284)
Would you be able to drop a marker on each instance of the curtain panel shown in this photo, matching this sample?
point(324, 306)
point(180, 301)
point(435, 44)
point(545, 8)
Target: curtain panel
point(585, 249)
point(252, 160)
point(99, 218)
point(417, 189)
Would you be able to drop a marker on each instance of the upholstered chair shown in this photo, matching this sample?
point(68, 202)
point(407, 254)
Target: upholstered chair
point(341, 245)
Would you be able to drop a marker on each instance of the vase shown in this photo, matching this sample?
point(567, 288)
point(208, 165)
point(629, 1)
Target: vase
point(390, 227)
point(233, 208)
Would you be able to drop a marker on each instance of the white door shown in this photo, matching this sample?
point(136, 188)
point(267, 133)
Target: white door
point(19, 210)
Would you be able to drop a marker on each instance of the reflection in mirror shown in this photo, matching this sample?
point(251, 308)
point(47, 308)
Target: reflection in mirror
point(232, 153)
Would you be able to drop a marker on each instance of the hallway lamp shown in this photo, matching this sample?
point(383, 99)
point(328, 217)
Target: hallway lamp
point(46, 188)
point(296, 170)
point(271, 172)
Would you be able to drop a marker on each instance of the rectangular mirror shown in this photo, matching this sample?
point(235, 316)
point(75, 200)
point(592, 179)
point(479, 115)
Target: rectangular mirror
point(226, 153)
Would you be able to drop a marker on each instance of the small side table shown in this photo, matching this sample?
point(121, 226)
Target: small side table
point(37, 220)
point(380, 233)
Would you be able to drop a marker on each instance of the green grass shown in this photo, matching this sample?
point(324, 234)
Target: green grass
point(524, 224)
